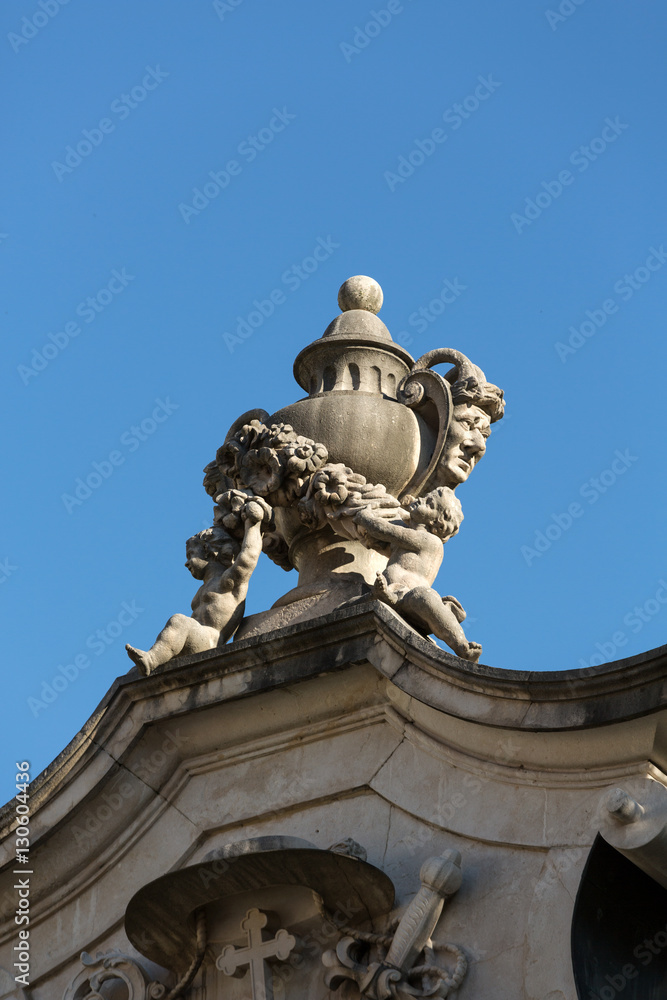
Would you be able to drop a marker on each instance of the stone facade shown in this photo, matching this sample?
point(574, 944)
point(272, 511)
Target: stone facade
point(331, 805)
point(349, 726)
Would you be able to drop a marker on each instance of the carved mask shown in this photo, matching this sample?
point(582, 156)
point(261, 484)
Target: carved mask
point(466, 444)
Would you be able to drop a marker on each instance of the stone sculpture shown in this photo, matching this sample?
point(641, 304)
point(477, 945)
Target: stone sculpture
point(288, 898)
point(638, 830)
point(335, 494)
point(235, 961)
point(476, 405)
point(397, 973)
point(273, 462)
point(414, 560)
point(354, 484)
point(225, 567)
point(116, 972)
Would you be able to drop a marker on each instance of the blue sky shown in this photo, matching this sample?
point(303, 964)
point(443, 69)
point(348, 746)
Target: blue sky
point(166, 164)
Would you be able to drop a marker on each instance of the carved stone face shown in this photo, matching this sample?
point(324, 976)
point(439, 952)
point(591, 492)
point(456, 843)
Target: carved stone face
point(196, 560)
point(466, 443)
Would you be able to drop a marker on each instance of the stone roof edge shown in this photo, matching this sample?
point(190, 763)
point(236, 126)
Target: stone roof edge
point(553, 700)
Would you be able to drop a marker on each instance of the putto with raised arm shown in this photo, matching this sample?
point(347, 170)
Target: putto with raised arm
point(352, 485)
point(224, 562)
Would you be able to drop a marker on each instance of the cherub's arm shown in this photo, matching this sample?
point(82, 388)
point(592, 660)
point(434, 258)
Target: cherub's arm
point(387, 531)
point(239, 573)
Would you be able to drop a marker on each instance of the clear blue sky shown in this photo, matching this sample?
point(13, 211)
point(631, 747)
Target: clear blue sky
point(540, 193)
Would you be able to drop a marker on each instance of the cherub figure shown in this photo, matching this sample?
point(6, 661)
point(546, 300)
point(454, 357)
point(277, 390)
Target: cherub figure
point(225, 567)
point(415, 555)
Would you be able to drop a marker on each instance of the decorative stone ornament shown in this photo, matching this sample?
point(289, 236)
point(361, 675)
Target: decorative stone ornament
point(397, 973)
point(225, 567)
point(352, 485)
point(233, 961)
point(360, 292)
point(161, 918)
point(296, 882)
point(121, 973)
point(638, 829)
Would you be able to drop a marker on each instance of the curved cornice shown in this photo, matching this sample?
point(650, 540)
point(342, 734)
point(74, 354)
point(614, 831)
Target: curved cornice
point(515, 700)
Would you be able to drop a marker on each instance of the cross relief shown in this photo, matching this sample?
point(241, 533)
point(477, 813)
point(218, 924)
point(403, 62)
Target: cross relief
point(232, 961)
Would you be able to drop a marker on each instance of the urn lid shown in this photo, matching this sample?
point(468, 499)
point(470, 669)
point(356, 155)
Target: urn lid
point(356, 351)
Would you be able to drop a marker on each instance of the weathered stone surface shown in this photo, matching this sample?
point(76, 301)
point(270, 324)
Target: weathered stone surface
point(347, 726)
point(360, 292)
point(224, 558)
point(335, 480)
point(242, 868)
point(637, 826)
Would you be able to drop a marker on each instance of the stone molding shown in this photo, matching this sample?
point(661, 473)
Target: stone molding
point(356, 685)
point(522, 701)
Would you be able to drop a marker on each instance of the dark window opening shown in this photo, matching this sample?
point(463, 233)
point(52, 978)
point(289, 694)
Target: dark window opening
point(619, 930)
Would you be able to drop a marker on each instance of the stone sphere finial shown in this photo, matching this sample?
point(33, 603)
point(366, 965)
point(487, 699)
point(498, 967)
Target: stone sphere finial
point(360, 292)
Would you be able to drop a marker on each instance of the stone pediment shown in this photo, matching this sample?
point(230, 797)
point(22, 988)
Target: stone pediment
point(346, 724)
point(427, 683)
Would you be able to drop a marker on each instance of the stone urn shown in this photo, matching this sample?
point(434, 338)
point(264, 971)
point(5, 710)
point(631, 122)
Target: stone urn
point(377, 414)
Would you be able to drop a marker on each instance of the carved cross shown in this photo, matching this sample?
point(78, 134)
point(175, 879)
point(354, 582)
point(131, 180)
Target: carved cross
point(256, 954)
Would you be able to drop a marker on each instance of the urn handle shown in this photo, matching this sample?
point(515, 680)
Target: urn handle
point(427, 393)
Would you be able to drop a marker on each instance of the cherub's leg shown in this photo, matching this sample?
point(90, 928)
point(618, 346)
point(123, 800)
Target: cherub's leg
point(181, 634)
point(426, 605)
